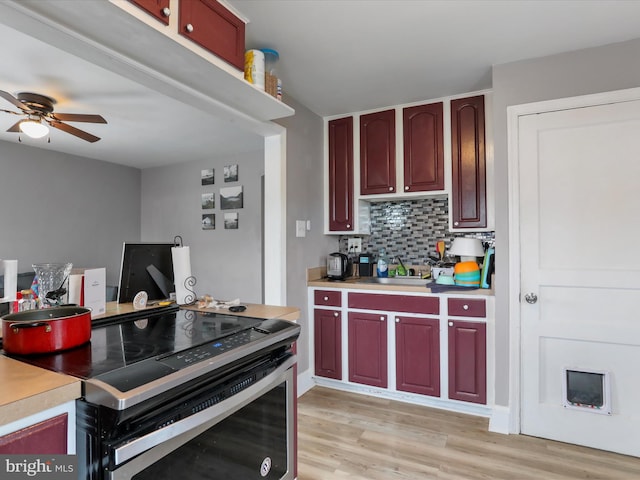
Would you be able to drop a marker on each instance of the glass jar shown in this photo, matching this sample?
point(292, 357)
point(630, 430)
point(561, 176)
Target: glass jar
point(53, 279)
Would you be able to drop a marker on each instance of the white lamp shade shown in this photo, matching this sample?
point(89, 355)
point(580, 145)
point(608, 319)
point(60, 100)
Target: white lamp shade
point(34, 129)
point(466, 247)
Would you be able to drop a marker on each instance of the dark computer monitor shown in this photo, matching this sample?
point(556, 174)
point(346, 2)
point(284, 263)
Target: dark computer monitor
point(146, 267)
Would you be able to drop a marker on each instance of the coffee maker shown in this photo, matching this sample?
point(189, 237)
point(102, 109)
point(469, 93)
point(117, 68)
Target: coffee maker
point(366, 263)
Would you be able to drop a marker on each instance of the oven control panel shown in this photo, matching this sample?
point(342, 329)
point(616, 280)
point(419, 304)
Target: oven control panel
point(217, 347)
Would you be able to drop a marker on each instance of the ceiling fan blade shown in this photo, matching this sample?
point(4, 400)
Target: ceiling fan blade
point(78, 117)
point(15, 127)
point(74, 131)
point(11, 99)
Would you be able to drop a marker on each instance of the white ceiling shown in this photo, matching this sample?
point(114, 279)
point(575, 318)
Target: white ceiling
point(336, 56)
point(340, 56)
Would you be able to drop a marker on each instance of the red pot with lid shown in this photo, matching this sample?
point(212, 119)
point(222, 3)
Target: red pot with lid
point(45, 331)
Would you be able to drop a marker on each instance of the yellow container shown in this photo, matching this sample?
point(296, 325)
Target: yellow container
point(254, 68)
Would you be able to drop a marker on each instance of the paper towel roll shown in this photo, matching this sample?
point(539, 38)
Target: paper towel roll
point(181, 272)
point(10, 269)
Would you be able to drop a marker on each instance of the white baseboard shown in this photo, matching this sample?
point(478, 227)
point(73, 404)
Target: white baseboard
point(415, 399)
point(500, 420)
point(305, 382)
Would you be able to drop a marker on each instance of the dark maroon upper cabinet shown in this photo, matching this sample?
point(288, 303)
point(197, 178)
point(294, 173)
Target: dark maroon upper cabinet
point(368, 349)
point(468, 164)
point(209, 24)
point(423, 148)
point(378, 152)
point(340, 132)
point(418, 355)
point(468, 361)
point(159, 9)
point(328, 343)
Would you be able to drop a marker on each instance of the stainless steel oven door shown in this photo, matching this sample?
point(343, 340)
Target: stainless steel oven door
point(249, 436)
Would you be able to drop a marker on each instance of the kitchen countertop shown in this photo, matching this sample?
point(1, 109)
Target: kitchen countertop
point(316, 277)
point(257, 311)
point(25, 389)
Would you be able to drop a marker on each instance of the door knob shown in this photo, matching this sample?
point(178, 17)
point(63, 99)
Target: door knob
point(531, 298)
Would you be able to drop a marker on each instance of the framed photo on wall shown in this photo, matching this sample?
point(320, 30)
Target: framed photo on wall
point(207, 176)
point(209, 221)
point(208, 201)
point(231, 173)
point(231, 221)
point(231, 198)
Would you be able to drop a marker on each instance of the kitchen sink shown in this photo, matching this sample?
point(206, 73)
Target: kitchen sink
point(417, 281)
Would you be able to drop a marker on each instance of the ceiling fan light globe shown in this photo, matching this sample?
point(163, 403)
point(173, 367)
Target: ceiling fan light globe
point(34, 129)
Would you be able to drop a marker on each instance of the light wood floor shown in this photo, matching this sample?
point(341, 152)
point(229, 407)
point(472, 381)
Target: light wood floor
point(350, 436)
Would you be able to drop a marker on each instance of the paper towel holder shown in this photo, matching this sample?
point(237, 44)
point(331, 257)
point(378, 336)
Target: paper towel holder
point(189, 282)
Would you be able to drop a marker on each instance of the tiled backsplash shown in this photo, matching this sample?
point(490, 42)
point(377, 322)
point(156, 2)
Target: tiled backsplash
point(410, 229)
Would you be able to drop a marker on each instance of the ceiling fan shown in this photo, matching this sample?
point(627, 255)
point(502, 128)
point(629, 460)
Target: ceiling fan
point(38, 110)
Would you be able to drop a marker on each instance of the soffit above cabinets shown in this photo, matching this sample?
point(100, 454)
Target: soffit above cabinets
point(102, 56)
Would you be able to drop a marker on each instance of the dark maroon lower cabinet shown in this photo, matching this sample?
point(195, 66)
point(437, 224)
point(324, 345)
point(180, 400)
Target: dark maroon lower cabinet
point(45, 438)
point(467, 361)
point(328, 343)
point(418, 355)
point(368, 349)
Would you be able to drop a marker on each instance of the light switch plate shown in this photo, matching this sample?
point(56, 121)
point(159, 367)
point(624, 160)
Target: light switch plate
point(301, 228)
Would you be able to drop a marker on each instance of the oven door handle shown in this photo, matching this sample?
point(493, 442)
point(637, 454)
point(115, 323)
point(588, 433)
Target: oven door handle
point(209, 417)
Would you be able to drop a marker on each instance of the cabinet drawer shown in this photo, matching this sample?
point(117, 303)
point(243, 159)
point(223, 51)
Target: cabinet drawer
point(395, 303)
point(328, 298)
point(465, 307)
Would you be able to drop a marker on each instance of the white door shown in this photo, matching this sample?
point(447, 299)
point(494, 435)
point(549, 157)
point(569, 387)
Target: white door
point(580, 267)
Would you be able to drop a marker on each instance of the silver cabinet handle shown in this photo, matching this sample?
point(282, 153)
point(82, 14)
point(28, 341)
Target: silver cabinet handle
point(166, 11)
point(391, 189)
point(406, 188)
point(456, 223)
point(451, 324)
point(326, 299)
point(382, 318)
point(465, 307)
point(397, 320)
point(189, 28)
point(335, 314)
point(531, 298)
point(348, 225)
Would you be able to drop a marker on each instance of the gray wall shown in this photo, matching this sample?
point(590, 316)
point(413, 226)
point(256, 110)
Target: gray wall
point(594, 70)
point(56, 207)
point(225, 262)
point(305, 201)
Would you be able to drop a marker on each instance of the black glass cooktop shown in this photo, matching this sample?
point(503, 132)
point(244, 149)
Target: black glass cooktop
point(123, 344)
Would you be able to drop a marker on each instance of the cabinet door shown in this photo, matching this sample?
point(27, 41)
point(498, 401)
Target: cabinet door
point(47, 437)
point(340, 132)
point(418, 355)
point(368, 349)
point(467, 361)
point(212, 26)
point(378, 152)
point(469, 196)
point(156, 8)
point(328, 343)
point(423, 148)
